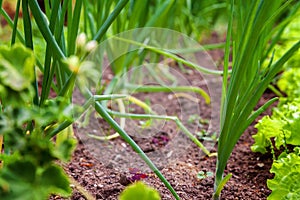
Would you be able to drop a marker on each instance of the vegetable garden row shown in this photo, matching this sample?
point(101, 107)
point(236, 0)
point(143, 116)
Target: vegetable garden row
point(53, 51)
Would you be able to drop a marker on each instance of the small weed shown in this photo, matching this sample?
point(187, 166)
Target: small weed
point(203, 174)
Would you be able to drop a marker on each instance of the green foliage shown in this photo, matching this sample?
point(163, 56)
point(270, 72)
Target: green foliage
point(27, 127)
point(32, 156)
point(139, 191)
point(283, 126)
point(289, 35)
point(16, 74)
point(190, 17)
point(203, 174)
point(28, 170)
point(286, 183)
point(22, 179)
point(289, 81)
point(255, 26)
point(59, 77)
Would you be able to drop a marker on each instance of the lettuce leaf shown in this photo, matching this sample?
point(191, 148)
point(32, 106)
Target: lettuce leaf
point(289, 82)
point(286, 183)
point(283, 126)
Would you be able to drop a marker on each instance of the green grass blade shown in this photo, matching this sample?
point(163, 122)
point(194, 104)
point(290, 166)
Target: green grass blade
point(160, 12)
point(27, 25)
point(29, 44)
point(226, 65)
point(256, 113)
point(59, 34)
point(217, 194)
point(47, 8)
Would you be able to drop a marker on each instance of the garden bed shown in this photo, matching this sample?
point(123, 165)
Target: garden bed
point(167, 109)
point(250, 170)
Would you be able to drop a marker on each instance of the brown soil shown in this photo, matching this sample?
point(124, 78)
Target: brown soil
point(250, 171)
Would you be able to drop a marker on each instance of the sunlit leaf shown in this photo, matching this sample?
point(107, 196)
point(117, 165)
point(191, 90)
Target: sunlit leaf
point(139, 191)
point(286, 183)
point(17, 67)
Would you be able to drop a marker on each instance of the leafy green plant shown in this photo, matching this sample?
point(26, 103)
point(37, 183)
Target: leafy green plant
point(60, 71)
point(285, 38)
point(289, 81)
point(254, 22)
point(29, 156)
point(202, 175)
point(139, 191)
point(281, 129)
point(285, 184)
point(37, 118)
point(282, 126)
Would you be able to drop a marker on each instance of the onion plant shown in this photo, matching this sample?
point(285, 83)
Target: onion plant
point(256, 23)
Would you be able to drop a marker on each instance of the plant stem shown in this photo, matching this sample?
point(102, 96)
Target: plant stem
point(169, 54)
point(101, 110)
point(173, 118)
point(155, 88)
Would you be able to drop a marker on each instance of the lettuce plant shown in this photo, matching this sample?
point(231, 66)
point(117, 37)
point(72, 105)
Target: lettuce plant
point(139, 191)
point(283, 126)
point(286, 183)
point(289, 81)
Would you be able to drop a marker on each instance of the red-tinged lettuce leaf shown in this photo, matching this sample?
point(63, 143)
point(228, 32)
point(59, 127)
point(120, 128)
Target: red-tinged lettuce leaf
point(286, 183)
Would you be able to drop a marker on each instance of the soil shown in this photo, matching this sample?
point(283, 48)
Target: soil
point(250, 173)
point(92, 169)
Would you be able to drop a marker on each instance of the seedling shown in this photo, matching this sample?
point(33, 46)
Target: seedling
point(204, 174)
point(203, 135)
